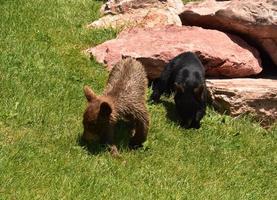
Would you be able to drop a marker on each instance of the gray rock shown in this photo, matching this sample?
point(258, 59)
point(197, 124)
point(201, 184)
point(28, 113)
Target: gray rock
point(256, 97)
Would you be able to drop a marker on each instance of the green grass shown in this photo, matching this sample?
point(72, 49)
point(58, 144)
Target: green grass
point(42, 72)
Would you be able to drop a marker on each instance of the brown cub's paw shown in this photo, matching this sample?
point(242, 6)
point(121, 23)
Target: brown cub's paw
point(114, 152)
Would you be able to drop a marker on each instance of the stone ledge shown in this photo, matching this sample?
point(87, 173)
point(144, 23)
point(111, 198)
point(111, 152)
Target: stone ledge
point(235, 97)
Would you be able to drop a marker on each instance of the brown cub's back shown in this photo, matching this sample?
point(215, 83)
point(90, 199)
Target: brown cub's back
point(127, 82)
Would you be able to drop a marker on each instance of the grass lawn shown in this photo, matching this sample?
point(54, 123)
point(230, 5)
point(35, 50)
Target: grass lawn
point(42, 73)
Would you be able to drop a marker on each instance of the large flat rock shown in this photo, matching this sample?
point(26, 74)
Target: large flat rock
point(255, 20)
point(222, 54)
point(256, 97)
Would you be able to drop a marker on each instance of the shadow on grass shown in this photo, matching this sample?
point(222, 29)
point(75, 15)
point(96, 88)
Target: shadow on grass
point(171, 112)
point(92, 148)
point(122, 136)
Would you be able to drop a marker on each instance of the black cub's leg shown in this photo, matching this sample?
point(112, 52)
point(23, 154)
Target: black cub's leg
point(160, 85)
point(157, 91)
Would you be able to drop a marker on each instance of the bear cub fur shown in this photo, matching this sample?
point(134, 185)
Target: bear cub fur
point(184, 75)
point(123, 98)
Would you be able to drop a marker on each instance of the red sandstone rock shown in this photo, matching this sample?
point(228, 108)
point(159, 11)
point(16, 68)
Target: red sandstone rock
point(256, 97)
point(141, 13)
point(256, 20)
point(221, 54)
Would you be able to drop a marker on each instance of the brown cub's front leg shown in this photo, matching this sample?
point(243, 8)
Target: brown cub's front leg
point(110, 141)
point(141, 131)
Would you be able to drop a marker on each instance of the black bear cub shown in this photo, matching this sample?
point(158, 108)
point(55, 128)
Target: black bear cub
point(184, 75)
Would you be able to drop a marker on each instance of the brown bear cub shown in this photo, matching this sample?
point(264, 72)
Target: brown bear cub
point(123, 98)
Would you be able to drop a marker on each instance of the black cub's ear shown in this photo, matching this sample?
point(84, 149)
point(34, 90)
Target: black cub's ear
point(179, 87)
point(105, 109)
point(198, 92)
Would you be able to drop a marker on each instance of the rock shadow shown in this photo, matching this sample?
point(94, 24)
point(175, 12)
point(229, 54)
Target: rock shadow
point(269, 68)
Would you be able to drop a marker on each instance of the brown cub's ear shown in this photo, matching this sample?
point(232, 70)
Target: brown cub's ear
point(105, 109)
point(198, 92)
point(179, 88)
point(89, 93)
